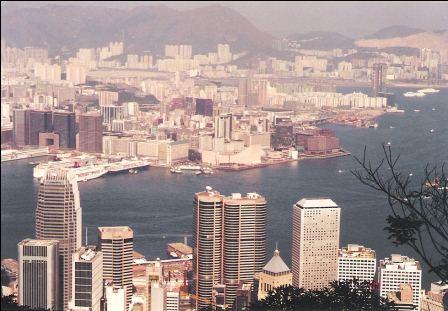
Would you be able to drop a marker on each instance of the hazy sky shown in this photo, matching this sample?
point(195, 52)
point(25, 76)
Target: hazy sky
point(283, 17)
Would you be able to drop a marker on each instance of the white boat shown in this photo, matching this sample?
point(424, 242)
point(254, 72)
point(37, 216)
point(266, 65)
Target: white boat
point(340, 171)
point(416, 110)
point(389, 143)
point(126, 165)
point(431, 131)
point(88, 172)
point(414, 94)
point(429, 90)
point(198, 173)
point(175, 170)
point(174, 255)
point(207, 171)
point(189, 167)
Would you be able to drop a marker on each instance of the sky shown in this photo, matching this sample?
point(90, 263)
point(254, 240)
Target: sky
point(282, 18)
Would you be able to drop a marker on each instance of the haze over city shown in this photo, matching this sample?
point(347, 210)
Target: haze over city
point(240, 155)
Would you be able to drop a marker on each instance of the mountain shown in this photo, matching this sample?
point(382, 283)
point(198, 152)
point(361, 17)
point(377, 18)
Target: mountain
point(437, 41)
point(394, 32)
point(143, 28)
point(321, 40)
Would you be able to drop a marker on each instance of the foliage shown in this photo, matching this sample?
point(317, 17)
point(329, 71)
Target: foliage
point(8, 303)
point(340, 295)
point(419, 216)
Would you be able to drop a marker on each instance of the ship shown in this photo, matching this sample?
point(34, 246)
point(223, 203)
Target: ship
point(175, 170)
point(414, 94)
point(206, 171)
point(86, 173)
point(189, 167)
point(429, 90)
point(126, 165)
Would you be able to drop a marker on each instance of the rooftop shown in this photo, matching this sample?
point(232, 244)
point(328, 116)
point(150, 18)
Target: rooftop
point(123, 232)
point(35, 242)
point(276, 264)
point(356, 251)
point(316, 203)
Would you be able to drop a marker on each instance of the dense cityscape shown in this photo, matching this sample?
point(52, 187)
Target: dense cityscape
point(84, 113)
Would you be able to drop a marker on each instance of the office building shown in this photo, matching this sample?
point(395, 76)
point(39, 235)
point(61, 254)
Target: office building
point(38, 274)
point(207, 244)
point(117, 246)
point(115, 297)
point(315, 242)
point(275, 274)
point(204, 107)
point(21, 125)
point(87, 280)
point(223, 126)
point(90, 133)
point(244, 240)
point(158, 297)
point(59, 217)
point(356, 261)
point(64, 125)
point(172, 299)
point(378, 78)
point(40, 122)
point(436, 298)
point(398, 270)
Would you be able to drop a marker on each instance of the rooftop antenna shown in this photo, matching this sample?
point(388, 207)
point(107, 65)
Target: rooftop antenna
point(86, 235)
point(185, 239)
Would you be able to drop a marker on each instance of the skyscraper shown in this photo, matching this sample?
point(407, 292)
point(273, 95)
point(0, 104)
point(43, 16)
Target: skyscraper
point(207, 244)
point(398, 270)
point(356, 261)
point(40, 122)
point(223, 126)
point(59, 217)
point(87, 279)
point(244, 240)
point(64, 125)
point(21, 125)
point(90, 133)
point(378, 78)
point(38, 276)
point(315, 242)
point(117, 245)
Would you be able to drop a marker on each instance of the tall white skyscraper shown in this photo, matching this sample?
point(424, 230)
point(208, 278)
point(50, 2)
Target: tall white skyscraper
point(356, 261)
point(315, 242)
point(38, 276)
point(400, 270)
point(223, 126)
point(59, 217)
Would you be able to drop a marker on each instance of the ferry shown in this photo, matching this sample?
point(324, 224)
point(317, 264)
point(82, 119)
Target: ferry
point(189, 167)
point(429, 90)
point(416, 110)
point(126, 165)
point(414, 94)
point(86, 173)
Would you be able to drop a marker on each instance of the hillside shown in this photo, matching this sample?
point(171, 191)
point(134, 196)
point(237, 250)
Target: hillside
point(143, 28)
point(435, 41)
point(394, 32)
point(321, 40)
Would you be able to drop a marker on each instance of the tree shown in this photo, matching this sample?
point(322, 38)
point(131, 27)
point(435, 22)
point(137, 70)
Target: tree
point(419, 216)
point(8, 303)
point(350, 295)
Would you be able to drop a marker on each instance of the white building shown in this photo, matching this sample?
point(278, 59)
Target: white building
point(315, 242)
point(356, 261)
point(115, 297)
point(158, 297)
point(398, 270)
point(172, 300)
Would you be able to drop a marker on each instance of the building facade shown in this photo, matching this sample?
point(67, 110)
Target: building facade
point(117, 246)
point(59, 217)
point(275, 274)
point(90, 137)
point(315, 242)
point(356, 261)
point(38, 276)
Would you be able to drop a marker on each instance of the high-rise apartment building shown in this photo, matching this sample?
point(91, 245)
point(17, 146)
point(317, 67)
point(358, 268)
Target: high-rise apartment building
point(207, 244)
point(38, 275)
point(378, 78)
point(275, 274)
point(59, 217)
point(315, 242)
point(76, 73)
point(244, 240)
point(398, 270)
point(90, 133)
point(229, 244)
point(64, 125)
point(117, 246)
point(356, 261)
point(87, 290)
point(223, 126)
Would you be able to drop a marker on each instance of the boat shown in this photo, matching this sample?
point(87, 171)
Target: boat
point(174, 255)
point(429, 90)
point(133, 171)
point(198, 173)
point(175, 170)
point(126, 165)
point(389, 143)
point(207, 171)
point(416, 110)
point(340, 171)
point(189, 167)
point(431, 131)
point(433, 109)
point(89, 172)
point(391, 127)
point(414, 94)
point(410, 174)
